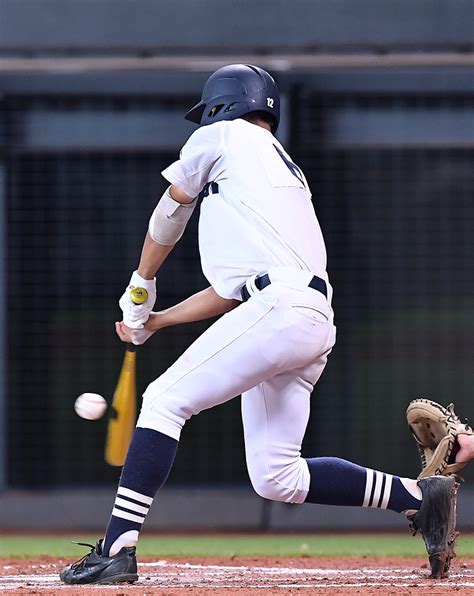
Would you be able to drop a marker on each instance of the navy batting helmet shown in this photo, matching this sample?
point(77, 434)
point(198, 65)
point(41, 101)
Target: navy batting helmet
point(235, 90)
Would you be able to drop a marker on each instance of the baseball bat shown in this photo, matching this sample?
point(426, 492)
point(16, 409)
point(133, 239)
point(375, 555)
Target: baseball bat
point(123, 414)
point(123, 411)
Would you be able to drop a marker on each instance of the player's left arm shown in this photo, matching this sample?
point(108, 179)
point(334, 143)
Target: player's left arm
point(202, 305)
point(168, 221)
point(166, 226)
point(155, 250)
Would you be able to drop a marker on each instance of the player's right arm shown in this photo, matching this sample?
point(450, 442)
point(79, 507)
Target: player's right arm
point(202, 305)
point(199, 306)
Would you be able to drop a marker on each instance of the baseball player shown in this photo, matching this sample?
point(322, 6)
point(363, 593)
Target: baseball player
point(263, 253)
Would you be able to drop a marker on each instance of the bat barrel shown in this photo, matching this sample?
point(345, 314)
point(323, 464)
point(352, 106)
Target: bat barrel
point(123, 411)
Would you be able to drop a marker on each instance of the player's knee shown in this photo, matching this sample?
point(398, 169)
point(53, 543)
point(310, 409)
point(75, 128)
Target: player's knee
point(288, 484)
point(165, 411)
point(268, 488)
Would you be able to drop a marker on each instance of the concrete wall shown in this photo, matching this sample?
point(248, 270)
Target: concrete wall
point(201, 509)
point(151, 25)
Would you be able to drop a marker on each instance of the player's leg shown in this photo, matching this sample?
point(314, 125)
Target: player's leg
point(275, 415)
point(224, 361)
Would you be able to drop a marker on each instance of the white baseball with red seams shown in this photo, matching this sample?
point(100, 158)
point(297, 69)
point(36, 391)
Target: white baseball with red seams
point(90, 406)
point(272, 348)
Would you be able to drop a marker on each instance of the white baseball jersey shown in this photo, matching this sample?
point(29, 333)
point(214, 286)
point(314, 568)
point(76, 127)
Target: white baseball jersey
point(273, 347)
point(262, 217)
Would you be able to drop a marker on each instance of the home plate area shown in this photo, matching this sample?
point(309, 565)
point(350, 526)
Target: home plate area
point(260, 576)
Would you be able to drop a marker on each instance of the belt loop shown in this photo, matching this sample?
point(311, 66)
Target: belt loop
point(249, 288)
point(262, 281)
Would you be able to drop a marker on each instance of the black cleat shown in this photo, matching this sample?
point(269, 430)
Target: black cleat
point(96, 569)
point(436, 521)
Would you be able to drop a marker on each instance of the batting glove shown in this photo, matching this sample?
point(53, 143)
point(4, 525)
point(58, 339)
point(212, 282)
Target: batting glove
point(137, 304)
point(135, 336)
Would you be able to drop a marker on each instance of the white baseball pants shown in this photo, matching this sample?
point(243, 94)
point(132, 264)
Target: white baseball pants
point(271, 349)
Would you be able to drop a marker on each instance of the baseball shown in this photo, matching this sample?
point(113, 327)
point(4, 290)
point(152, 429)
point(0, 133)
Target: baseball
point(90, 406)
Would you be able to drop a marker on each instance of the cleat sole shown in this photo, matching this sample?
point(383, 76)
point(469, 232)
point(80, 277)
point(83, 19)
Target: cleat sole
point(121, 578)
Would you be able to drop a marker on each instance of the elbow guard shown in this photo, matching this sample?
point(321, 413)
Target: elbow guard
point(169, 219)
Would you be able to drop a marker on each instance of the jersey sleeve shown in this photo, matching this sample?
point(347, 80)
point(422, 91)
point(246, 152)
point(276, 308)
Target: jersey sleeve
point(198, 156)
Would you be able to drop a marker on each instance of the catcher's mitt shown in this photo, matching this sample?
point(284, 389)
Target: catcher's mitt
point(435, 430)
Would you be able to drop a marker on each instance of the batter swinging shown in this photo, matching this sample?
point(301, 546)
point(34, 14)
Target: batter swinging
point(263, 254)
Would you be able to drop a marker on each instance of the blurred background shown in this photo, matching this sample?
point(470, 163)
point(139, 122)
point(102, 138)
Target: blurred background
point(378, 110)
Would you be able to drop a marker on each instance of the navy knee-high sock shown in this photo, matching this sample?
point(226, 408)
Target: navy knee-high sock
point(148, 463)
point(336, 481)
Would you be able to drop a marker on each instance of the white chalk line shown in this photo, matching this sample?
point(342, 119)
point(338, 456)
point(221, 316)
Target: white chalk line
point(387, 573)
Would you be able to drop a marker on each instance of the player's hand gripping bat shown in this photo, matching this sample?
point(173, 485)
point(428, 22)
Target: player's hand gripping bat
point(124, 404)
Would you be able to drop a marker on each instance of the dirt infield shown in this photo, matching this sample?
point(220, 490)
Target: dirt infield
point(249, 575)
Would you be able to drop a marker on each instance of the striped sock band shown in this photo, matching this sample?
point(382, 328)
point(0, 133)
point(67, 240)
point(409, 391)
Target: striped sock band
point(378, 487)
point(335, 481)
point(131, 505)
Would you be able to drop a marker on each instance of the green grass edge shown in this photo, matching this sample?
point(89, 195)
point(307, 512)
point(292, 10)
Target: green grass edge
point(229, 545)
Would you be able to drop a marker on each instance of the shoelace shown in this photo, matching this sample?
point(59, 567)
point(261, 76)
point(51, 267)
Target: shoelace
point(81, 561)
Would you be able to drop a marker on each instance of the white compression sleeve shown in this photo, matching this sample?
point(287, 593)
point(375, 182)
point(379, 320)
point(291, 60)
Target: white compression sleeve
point(169, 219)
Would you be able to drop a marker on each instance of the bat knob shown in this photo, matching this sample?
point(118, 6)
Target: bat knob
point(138, 295)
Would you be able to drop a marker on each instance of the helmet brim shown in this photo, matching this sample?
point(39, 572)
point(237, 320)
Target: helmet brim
point(195, 113)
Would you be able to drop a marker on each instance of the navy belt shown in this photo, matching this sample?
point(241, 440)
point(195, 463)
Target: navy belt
point(263, 281)
point(211, 188)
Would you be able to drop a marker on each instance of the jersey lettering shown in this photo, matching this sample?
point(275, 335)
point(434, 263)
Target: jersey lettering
point(294, 169)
